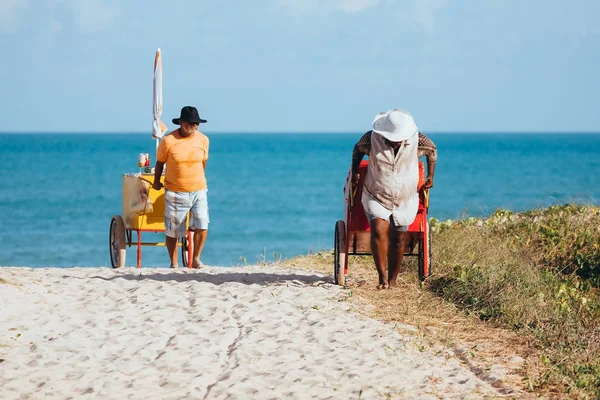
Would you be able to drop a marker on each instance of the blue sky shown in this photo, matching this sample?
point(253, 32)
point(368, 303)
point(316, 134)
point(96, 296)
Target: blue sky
point(301, 65)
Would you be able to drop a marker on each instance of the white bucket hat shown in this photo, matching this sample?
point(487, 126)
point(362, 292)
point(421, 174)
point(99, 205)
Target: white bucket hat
point(395, 125)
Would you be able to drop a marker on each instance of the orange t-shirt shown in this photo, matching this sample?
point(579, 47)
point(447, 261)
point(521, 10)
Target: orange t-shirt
point(185, 159)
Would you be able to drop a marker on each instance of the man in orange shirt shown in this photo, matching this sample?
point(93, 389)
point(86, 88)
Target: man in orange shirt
point(184, 151)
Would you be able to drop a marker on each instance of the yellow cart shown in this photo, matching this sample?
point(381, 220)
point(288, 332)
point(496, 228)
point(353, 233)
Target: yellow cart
point(149, 219)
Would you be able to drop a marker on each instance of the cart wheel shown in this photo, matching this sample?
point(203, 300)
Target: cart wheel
point(425, 254)
point(116, 242)
point(184, 250)
point(128, 235)
point(339, 253)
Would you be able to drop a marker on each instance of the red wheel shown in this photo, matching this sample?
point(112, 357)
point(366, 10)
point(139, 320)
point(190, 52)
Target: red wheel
point(116, 242)
point(425, 254)
point(339, 253)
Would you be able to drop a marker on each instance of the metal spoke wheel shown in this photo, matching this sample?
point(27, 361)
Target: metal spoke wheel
point(425, 254)
point(116, 242)
point(339, 253)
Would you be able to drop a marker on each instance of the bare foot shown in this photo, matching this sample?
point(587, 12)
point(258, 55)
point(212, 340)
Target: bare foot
point(382, 286)
point(174, 266)
point(197, 264)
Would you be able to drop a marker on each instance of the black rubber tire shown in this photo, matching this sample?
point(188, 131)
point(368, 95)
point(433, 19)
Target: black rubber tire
point(184, 249)
point(116, 242)
point(339, 253)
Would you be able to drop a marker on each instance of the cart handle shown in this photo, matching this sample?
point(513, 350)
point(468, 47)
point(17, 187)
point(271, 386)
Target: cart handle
point(353, 191)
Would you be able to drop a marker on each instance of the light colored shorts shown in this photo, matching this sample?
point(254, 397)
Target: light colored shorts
point(177, 205)
point(398, 228)
point(373, 209)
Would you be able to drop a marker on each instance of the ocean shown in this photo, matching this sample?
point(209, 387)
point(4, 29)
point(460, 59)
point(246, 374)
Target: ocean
point(271, 196)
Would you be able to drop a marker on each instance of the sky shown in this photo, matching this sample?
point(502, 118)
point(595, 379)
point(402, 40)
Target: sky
point(301, 65)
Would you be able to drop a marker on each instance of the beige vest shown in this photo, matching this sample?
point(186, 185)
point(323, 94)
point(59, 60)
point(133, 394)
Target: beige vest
point(392, 180)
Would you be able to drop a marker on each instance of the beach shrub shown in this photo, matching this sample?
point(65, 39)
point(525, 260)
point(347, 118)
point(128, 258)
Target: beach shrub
point(537, 272)
point(565, 238)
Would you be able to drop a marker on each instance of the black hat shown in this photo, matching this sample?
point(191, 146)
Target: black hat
point(189, 114)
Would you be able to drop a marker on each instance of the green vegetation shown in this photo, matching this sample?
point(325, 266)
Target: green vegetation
point(536, 272)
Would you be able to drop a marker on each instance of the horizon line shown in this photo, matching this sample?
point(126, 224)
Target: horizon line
point(270, 132)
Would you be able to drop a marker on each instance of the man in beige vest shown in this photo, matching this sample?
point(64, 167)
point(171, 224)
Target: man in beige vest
point(390, 197)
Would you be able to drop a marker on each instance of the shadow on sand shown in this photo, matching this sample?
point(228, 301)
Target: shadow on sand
point(247, 278)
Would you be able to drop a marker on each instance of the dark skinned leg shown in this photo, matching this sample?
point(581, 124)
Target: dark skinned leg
point(394, 240)
point(199, 240)
point(379, 247)
point(398, 245)
point(172, 250)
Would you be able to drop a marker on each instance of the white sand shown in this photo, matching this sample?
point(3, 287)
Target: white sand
point(217, 333)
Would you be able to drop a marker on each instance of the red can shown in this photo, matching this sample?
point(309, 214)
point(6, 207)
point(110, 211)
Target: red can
point(144, 160)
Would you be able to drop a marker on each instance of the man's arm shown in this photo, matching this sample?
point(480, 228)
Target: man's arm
point(205, 154)
point(430, 173)
point(428, 149)
point(158, 169)
point(161, 154)
point(362, 147)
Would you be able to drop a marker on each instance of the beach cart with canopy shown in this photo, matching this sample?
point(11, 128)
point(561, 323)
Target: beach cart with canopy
point(352, 236)
point(143, 207)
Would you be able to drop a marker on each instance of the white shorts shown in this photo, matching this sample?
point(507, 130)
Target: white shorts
point(375, 210)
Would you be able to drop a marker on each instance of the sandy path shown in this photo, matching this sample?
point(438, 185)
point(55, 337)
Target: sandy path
point(219, 333)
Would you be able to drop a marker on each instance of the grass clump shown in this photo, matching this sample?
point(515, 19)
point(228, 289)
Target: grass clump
point(565, 238)
point(537, 273)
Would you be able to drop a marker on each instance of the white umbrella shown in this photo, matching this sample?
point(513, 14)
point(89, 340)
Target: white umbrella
point(158, 128)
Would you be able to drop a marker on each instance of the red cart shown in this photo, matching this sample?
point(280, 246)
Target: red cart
point(353, 236)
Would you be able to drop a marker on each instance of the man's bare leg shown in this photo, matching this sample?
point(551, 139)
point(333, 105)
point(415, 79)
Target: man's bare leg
point(172, 250)
point(379, 248)
point(199, 240)
point(398, 245)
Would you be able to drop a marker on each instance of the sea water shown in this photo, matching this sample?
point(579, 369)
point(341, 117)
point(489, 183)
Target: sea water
point(270, 196)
